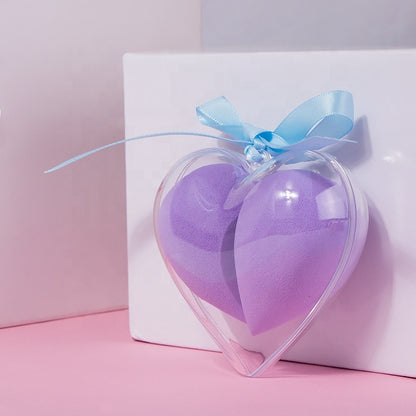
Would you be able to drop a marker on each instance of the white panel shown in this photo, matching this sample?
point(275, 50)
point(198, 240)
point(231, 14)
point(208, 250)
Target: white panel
point(370, 325)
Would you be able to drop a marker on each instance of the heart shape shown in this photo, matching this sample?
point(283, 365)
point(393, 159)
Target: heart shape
point(256, 252)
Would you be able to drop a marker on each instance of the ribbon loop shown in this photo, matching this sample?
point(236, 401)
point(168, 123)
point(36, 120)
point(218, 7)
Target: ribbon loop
point(221, 115)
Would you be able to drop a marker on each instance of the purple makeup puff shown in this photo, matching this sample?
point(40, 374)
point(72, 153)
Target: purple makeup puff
point(290, 236)
point(196, 231)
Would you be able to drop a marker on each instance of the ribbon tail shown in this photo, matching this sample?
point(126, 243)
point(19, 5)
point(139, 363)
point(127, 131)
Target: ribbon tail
point(311, 143)
point(146, 136)
point(315, 143)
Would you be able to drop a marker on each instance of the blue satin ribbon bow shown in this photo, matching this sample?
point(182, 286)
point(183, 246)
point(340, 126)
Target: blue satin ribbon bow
point(315, 124)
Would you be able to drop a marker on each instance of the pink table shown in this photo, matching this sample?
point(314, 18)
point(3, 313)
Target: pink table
point(90, 366)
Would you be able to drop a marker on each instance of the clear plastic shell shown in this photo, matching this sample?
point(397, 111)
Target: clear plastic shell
point(257, 249)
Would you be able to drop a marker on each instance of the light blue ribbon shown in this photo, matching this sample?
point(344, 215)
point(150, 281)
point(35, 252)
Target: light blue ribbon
point(319, 122)
point(315, 124)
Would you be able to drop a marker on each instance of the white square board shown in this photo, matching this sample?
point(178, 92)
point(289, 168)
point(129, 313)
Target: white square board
point(370, 325)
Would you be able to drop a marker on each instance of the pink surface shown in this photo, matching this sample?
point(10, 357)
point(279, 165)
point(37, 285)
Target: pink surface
point(90, 366)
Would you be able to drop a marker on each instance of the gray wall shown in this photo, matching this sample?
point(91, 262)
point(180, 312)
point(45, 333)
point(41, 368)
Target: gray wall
point(308, 24)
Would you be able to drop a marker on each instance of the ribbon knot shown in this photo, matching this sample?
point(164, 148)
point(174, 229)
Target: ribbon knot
point(256, 152)
point(315, 124)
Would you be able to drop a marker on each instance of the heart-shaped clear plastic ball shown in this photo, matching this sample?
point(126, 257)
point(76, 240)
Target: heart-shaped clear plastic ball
point(257, 249)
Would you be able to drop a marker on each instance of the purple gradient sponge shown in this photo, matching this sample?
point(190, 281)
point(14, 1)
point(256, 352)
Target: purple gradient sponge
point(196, 229)
point(289, 239)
